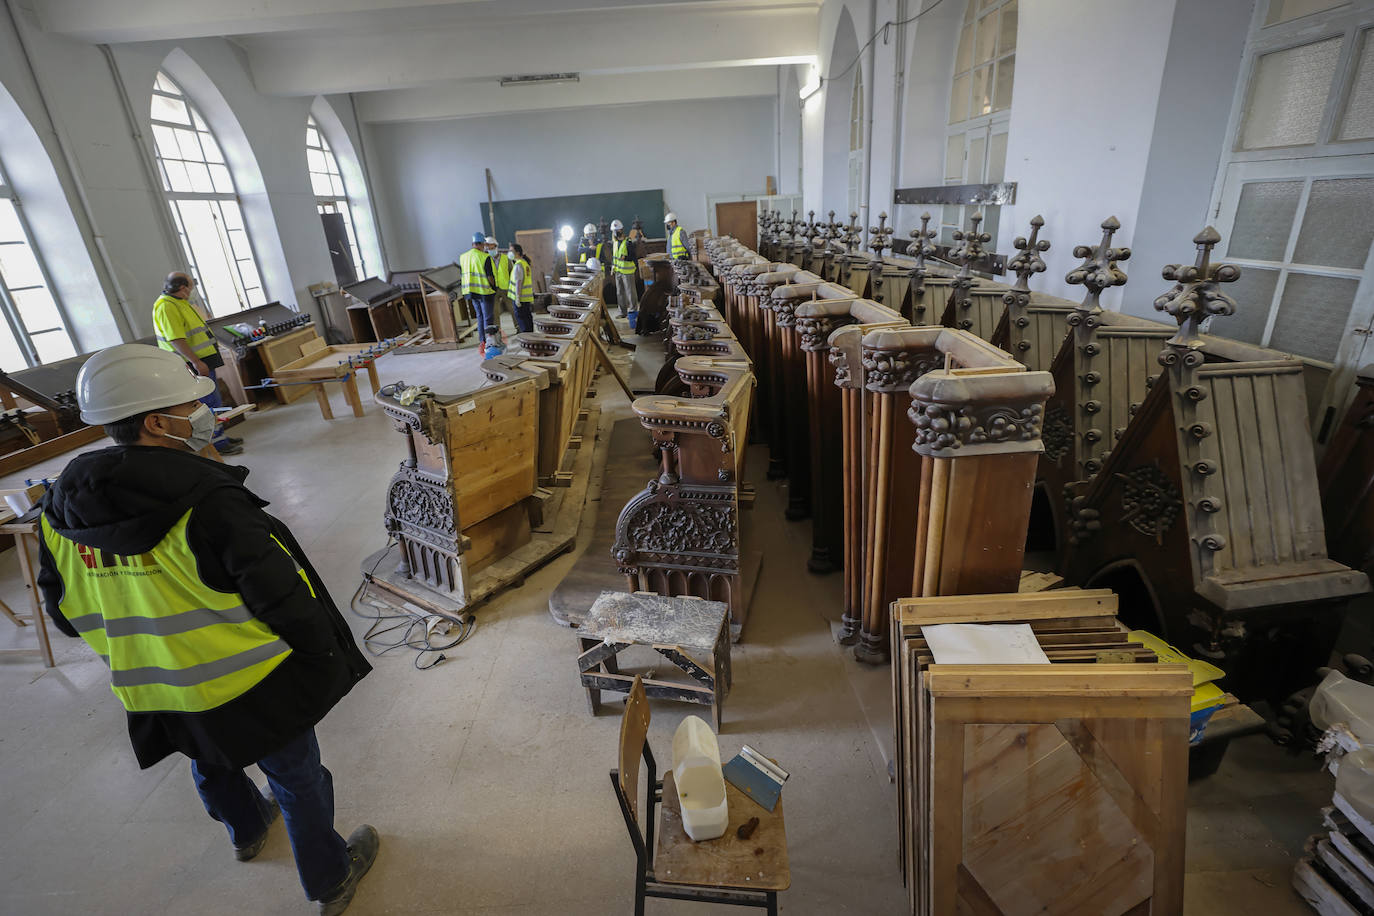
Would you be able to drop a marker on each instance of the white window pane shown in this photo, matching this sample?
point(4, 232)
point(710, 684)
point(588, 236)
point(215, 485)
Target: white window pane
point(312, 137)
point(53, 346)
point(958, 100)
point(1001, 93)
point(1288, 94)
point(37, 310)
point(1313, 315)
point(163, 84)
point(256, 296)
point(964, 59)
point(997, 158)
point(1254, 295)
point(165, 109)
point(337, 183)
point(982, 97)
point(1284, 10)
point(11, 357)
point(18, 268)
point(217, 287)
point(233, 217)
point(1006, 35)
point(199, 122)
point(238, 240)
point(200, 178)
point(1264, 219)
point(954, 158)
point(189, 146)
point(219, 177)
point(165, 141)
point(1357, 121)
point(985, 44)
point(314, 160)
point(176, 175)
point(320, 185)
point(10, 230)
point(977, 152)
point(211, 148)
point(249, 272)
point(1337, 229)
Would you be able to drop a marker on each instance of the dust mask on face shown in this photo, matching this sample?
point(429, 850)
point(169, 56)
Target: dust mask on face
point(202, 421)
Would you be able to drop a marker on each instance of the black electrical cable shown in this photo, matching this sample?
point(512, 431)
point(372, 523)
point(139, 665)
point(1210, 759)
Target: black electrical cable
point(883, 28)
point(375, 641)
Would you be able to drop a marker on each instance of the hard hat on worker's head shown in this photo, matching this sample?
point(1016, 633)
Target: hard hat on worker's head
point(593, 264)
point(129, 379)
point(670, 217)
point(479, 238)
point(617, 225)
point(589, 229)
point(490, 240)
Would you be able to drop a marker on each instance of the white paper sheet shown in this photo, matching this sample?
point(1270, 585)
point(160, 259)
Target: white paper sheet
point(984, 644)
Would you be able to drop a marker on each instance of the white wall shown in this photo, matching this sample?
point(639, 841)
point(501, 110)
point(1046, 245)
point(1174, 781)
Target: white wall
point(429, 176)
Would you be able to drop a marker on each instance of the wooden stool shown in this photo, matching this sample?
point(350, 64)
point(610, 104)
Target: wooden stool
point(669, 626)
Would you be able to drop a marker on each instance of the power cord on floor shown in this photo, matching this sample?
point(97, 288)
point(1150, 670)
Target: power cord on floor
point(376, 640)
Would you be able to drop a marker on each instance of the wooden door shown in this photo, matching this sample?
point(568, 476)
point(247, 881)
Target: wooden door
point(740, 220)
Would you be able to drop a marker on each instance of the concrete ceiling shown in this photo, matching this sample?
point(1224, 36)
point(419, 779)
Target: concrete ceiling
point(425, 59)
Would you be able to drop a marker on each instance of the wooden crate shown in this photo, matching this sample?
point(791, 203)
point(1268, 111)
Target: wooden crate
point(278, 351)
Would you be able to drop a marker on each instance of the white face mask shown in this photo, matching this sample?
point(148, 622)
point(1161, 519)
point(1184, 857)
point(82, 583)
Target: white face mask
point(202, 421)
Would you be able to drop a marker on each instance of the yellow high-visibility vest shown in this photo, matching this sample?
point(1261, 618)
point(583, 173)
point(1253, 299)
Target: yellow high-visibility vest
point(526, 291)
point(502, 271)
point(474, 264)
point(173, 643)
point(174, 319)
point(624, 264)
point(678, 249)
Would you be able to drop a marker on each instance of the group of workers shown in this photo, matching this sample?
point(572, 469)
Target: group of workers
point(222, 641)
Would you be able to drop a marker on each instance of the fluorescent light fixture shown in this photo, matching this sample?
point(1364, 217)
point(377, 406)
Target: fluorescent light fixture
point(535, 78)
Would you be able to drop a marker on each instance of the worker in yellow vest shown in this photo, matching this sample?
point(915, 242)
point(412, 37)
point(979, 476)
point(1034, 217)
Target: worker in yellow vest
point(180, 327)
point(222, 641)
point(501, 266)
point(623, 266)
point(479, 287)
point(589, 247)
point(521, 289)
point(677, 238)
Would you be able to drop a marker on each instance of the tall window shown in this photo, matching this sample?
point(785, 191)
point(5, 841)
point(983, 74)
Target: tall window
point(330, 196)
point(34, 329)
point(856, 141)
point(980, 106)
point(205, 205)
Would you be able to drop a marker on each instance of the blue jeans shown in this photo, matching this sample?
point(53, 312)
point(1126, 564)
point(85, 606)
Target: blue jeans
point(523, 319)
point(484, 315)
point(305, 791)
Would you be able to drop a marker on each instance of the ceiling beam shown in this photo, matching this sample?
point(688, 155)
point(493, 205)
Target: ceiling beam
point(464, 100)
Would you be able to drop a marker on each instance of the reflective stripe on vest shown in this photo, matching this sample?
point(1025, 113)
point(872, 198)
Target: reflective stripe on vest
point(526, 291)
point(173, 643)
point(474, 264)
point(198, 336)
point(502, 270)
point(679, 249)
point(623, 264)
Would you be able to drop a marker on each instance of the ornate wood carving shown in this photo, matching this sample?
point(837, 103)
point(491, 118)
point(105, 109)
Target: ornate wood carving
point(1025, 264)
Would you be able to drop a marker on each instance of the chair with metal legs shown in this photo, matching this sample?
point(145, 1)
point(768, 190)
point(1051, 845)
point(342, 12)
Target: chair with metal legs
point(742, 871)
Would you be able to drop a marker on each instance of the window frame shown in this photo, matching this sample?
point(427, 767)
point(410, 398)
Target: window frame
point(342, 203)
point(13, 318)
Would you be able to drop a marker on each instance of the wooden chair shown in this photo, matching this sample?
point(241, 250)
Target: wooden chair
point(727, 870)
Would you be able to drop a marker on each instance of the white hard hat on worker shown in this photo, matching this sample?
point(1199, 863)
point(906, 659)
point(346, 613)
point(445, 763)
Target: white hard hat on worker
point(129, 379)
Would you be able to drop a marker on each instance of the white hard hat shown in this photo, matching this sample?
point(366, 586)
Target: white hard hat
point(589, 229)
point(616, 225)
point(491, 241)
point(129, 379)
point(670, 217)
point(593, 264)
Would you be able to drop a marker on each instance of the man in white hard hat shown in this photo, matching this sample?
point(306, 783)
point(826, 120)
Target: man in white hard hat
point(588, 247)
point(677, 238)
point(222, 641)
point(623, 265)
point(181, 328)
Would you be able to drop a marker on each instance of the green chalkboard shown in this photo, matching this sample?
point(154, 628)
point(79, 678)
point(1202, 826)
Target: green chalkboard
point(576, 210)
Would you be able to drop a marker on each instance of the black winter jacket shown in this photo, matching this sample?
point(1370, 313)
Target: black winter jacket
point(125, 499)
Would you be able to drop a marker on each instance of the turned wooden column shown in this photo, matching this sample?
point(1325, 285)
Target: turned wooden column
point(826, 423)
point(791, 381)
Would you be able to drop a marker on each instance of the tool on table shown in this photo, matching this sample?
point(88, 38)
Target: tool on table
point(756, 776)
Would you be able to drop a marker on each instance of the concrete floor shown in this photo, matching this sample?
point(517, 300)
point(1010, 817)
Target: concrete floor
point(486, 776)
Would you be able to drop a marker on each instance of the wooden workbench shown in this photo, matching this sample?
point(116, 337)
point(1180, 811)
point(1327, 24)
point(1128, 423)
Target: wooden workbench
point(338, 363)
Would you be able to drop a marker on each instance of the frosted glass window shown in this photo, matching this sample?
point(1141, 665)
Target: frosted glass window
point(977, 153)
point(964, 59)
point(1288, 95)
point(997, 158)
point(1284, 10)
point(1001, 93)
point(1264, 219)
point(1313, 315)
point(37, 309)
point(1006, 36)
point(29, 304)
point(53, 346)
point(19, 267)
point(982, 100)
point(954, 158)
point(985, 45)
point(1337, 228)
point(958, 100)
point(1357, 121)
point(1254, 295)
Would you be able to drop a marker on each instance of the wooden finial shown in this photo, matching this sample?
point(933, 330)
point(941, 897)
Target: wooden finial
point(1098, 271)
point(1196, 294)
point(1027, 261)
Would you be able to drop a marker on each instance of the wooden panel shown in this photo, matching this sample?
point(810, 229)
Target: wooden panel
point(758, 863)
point(539, 248)
point(491, 450)
point(739, 220)
point(280, 350)
point(496, 537)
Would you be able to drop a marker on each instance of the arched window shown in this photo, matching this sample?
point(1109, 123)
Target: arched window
point(34, 329)
point(980, 106)
point(205, 205)
point(856, 141)
point(330, 195)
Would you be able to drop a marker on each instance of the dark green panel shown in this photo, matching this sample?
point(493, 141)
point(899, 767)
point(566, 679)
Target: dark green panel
point(576, 211)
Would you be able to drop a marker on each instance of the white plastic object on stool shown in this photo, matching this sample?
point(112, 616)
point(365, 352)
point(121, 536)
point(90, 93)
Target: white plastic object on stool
point(697, 777)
